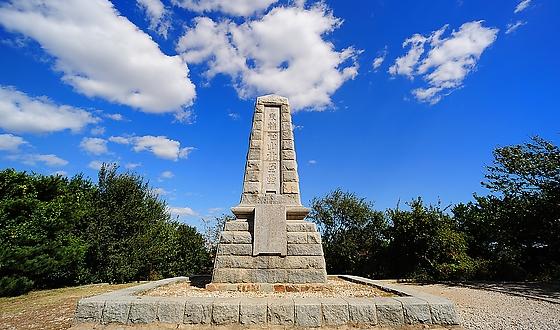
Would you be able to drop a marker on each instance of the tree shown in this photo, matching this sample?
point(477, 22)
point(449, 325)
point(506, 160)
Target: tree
point(353, 233)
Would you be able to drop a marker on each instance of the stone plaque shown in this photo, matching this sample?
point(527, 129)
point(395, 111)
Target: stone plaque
point(271, 161)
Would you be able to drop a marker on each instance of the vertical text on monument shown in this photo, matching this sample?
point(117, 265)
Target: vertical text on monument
point(271, 162)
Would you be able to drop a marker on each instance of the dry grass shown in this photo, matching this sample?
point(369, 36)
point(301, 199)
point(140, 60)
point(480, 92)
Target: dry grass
point(47, 309)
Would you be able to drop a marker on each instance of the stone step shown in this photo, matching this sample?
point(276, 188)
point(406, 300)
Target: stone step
point(270, 262)
point(238, 275)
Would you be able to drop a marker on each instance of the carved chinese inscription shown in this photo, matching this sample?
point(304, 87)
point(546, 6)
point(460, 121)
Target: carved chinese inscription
point(271, 161)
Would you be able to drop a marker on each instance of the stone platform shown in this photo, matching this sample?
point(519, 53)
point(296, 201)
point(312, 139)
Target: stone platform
point(127, 306)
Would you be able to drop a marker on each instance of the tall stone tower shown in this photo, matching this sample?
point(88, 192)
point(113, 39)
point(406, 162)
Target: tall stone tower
point(269, 242)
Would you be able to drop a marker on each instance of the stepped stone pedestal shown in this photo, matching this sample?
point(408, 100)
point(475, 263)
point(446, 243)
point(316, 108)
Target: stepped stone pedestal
point(269, 242)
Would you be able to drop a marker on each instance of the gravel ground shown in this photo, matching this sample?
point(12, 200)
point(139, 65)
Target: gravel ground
point(333, 288)
point(482, 309)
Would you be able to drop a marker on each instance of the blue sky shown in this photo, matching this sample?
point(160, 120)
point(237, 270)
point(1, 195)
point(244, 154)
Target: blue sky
point(391, 99)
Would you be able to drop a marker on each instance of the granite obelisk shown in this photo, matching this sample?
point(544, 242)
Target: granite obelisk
point(269, 242)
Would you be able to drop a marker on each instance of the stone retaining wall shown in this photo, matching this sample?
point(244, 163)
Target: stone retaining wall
point(124, 307)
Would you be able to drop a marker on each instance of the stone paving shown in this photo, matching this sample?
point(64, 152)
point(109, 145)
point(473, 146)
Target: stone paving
point(127, 306)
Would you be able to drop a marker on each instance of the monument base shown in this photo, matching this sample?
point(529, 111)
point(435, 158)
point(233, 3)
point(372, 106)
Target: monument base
point(267, 287)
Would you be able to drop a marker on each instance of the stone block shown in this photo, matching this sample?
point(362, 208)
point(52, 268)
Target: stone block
point(305, 250)
point(143, 310)
point(258, 116)
point(307, 276)
point(171, 310)
point(362, 311)
point(289, 176)
point(300, 226)
point(415, 310)
point(287, 135)
point(287, 144)
point(255, 144)
point(314, 238)
point(286, 125)
point(252, 176)
point(297, 237)
point(241, 262)
point(256, 135)
point(277, 275)
point(116, 311)
point(443, 312)
point(236, 226)
point(235, 249)
point(253, 165)
point(236, 237)
point(254, 154)
point(89, 310)
point(251, 187)
point(252, 311)
point(307, 312)
point(335, 311)
point(289, 165)
point(290, 187)
point(225, 311)
point(198, 310)
point(231, 275)
point(389, 311)
point(286, 117)
point(257, 125)
point(280, 311)
point(304, 262)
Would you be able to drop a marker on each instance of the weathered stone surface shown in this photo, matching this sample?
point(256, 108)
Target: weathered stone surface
point(198, 310)
point(443, 312)
point(270, 230)
point(314, 238)
point(143, 310)
point(281, 311)
point(236, 237)
point(305, 250)
point(306, 275)
point(235, 249)
point(308, 312)
point(300, 226)
point(389, 311)
point(171, 310)
point(253, 311)
point(415, 310)
point(296, 238)
point(225, 311)
point(288, 154)
point(289, 176)
point(231, 275)
point(289, 165)
point(335, 311)
point(251, 188)
point(116, 311)
point(287, 144)
point(242, 262)
point(236, 226)
point(362, 311)
point(89, 310)
point(252, 176)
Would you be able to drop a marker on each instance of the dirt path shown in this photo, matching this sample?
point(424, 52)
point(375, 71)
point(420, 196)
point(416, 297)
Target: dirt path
point(500, 306)
point(47, 309)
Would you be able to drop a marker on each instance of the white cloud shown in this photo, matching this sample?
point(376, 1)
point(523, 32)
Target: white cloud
point(181, 211)
point(448, 61)
point(33, 159)
point(233, 115)
point(94, 146)
point(166, 175)
point(160, 191)
point(102, 54)
point(158, 16)
point(9, 142)
point(21, 113)
point(312, 162)
point(98, 130)
point(131, 166)
point(160, 146)
point(379, 59)
point(521, 6)
point(60, 173)
point(115, 116)
point(231, 7)
point(511, 27)
point(95, 164)
point(283, 53)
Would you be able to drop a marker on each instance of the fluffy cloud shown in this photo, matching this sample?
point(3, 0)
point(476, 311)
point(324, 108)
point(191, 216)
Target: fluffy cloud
point(181, 211)
point(102, 54)
point(95, 165)
point(283, 52)
point(521, 6)
point(379, 59)
point(166, 175)
point(94, 146)
point(98, 130)
point(131, 166)
point(157, 15)
point(235, 8)
point(34, 159)
point(21, 113)
point(448, 61)
point(160, 146)
point(9, 142)
point(511, 27)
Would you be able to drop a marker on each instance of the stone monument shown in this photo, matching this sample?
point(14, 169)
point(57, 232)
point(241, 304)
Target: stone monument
point(269, 242)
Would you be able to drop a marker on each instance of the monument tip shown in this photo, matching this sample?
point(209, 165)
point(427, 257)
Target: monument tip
point(272, 98)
